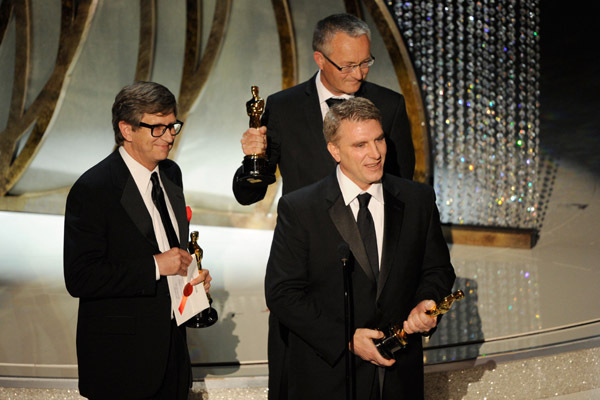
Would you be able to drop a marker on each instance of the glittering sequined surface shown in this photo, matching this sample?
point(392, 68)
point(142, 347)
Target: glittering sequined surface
point(566, 376)
point(478, 62)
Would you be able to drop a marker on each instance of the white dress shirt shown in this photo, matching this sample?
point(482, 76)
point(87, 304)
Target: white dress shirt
point(325, 94)
point(141, 176)
point(350, 191)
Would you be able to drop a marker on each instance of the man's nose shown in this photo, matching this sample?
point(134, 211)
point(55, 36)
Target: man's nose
point(169, 135)
point(374, 151)
point(358, 73)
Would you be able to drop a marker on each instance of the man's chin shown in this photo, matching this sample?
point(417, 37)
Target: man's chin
point(162, 156)
point(351, 89)
point(378, 177)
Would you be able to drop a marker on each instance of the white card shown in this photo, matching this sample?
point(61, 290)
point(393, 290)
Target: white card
point(187, 300)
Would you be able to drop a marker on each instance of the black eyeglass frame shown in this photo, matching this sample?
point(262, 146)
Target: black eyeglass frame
point(347, 69)
point(165, 127)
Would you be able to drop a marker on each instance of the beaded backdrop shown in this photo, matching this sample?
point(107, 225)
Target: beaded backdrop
point(478, 64)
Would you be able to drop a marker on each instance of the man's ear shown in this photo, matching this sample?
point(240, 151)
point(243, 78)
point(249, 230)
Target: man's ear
point(319, 59)
point(126, 130)
point(334, 151)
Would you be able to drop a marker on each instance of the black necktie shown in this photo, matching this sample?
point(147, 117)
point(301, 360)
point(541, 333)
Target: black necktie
point(366, 226)
point(332, 101)
point(158, 198)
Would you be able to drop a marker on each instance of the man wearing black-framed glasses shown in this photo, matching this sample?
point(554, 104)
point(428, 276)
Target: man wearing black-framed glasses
point(173, 128)
point(292, 131)
point(348, 69)
point(126, 231)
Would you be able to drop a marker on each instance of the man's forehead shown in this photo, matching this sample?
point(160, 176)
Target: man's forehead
point(343, 36)
point(356, 121)
point(343, 41)
point(364, 126)
point(158, 116)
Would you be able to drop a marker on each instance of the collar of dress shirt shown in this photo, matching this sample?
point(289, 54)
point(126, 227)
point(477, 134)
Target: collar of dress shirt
point(350, 189)
point(325, 94)
point(140, 174)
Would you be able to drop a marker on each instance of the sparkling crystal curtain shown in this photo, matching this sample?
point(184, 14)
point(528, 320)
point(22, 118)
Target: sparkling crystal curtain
point(478, 62)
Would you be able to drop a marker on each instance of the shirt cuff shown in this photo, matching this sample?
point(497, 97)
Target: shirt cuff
point(157, 275)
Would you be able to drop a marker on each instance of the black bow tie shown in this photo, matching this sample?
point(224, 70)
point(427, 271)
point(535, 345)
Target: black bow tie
point(332, 101)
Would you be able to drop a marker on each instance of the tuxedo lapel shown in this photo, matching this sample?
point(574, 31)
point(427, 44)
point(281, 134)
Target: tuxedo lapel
point(343, 219)
point(312, 111)
point(392, 228)
point(131, 199)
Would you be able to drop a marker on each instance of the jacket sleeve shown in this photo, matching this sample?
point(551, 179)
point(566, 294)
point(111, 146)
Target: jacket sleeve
point(92, 268)
point(437, 273)
point(247, 194)
point(287, 288)
point(401, 133)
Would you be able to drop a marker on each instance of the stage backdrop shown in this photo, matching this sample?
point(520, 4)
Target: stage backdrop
point(471, 97)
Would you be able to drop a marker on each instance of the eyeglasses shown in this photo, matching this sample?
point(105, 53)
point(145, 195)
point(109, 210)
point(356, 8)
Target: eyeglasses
point(174, 128)
point(346, 69)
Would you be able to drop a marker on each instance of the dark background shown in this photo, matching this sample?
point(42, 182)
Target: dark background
point(570, 84)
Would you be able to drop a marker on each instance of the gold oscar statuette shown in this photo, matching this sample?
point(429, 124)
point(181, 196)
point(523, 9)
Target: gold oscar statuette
point(395, 338)
point(209, 316)
point(255, 166)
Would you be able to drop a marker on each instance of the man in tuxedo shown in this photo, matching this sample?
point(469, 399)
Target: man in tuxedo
point(401, 267)
point(292, 131)
point(125, 231)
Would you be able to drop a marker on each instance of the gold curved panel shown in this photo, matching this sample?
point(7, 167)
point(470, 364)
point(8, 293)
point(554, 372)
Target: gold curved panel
point(353, 7)
point(6, 9)
point(408, 83)
point(195, 73)
point(75, 22)
point(289, 78)
point(22, 12)
point(145, 61)
point(22, 67)
point(193, 37)
point(287, 43)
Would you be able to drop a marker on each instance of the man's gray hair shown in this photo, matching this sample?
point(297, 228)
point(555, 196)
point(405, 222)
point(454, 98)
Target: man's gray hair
point(356, 109)
point(329, 26)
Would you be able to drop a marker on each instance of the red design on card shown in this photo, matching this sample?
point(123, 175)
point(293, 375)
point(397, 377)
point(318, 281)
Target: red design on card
point(187, 291)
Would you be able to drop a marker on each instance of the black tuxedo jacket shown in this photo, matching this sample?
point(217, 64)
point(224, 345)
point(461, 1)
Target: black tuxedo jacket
point(304, 287)
point(296, 143)
point(124, 319)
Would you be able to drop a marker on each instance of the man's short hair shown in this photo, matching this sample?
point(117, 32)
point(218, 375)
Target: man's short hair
point(329, 26)
point(137, 99)
point(356, 109)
